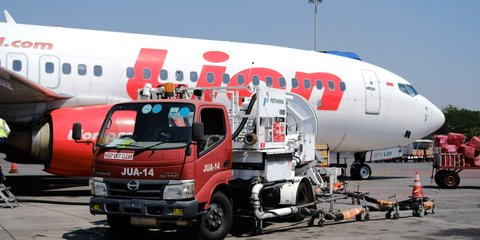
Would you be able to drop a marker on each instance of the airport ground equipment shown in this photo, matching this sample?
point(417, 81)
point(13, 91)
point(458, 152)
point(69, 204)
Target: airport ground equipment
point(446, 168)
point(198, 157)
point(7, 196)
point(418, 151)
point(451, 155)
point(418, 206)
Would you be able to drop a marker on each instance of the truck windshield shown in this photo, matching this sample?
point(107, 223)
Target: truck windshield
point(147, 126)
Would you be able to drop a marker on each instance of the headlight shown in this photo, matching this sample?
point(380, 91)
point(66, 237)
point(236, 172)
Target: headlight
point(181, 189)
point(98, 187)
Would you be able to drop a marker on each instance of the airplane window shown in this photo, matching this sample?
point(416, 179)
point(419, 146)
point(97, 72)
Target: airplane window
point(210, 77)
point(255, 80)
point(269, 81)
point(403, 88)
point(17, 65)
point(306, 83)
point(130, 72)
point(193, 76)
point(164, 74)
point(282, 82)
point(241, 79)
point(342, 86)
point(97, 70)
point(319, 84)
point(66, 68)
point(82, 69)
point(294, 83)
point(49, 67)
point(226, 78)
point(179, 75)
point(331, 85)
point(147, 74)
point(411, 90)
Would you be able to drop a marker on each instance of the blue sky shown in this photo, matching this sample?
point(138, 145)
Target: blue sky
point(434, 44)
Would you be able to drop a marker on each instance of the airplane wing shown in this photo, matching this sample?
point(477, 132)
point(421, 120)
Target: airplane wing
point(15, 88)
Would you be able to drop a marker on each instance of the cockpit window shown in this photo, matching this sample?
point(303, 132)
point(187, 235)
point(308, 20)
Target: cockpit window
point(408, 89)
point(411, 90)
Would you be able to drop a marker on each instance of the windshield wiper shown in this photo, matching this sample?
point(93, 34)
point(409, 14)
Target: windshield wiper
point(157, 144)
point(119, 146)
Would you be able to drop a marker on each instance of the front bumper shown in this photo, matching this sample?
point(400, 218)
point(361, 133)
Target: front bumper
point(160, 209)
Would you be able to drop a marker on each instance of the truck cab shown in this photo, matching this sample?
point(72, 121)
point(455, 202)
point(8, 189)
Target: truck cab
point(161, 159)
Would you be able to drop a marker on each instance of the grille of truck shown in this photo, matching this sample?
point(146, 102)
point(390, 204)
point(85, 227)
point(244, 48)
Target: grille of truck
point(147, 189)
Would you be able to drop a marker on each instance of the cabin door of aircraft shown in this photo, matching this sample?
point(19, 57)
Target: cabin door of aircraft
point(372, 92)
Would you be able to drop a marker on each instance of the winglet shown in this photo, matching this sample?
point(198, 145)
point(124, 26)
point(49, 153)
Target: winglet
point(9, 17)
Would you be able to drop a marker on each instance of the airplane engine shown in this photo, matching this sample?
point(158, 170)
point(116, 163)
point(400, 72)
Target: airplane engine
point(50, 143)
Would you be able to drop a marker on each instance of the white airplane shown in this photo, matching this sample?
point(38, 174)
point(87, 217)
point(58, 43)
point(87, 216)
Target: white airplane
point(51, 77)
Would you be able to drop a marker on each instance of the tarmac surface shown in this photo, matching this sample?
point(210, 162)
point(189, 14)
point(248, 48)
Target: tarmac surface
point(55, 207)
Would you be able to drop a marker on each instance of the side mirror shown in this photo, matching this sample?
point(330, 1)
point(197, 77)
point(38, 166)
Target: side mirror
point(77, 131)
point(197, 131)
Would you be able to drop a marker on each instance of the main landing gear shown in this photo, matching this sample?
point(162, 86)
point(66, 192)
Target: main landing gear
point(359, 170)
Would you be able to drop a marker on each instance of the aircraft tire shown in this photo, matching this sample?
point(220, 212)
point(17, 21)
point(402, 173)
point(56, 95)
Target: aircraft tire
point(354, 172)
point(361, 171)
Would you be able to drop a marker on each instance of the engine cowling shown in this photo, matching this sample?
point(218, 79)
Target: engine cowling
point(50, 143)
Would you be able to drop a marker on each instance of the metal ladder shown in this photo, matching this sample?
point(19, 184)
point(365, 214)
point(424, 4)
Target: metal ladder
point(7, 196)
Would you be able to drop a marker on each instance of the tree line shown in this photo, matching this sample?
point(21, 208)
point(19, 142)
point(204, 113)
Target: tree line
point(460, 120)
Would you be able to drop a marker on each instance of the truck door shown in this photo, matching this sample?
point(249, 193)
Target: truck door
point(214, 153)
point(372, 92)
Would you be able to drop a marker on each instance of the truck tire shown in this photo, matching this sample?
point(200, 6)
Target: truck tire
point(217, 221)
point(303, 197)
point(450, 180)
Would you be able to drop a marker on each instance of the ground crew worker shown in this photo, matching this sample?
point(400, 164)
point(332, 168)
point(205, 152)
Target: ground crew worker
point(4, 131)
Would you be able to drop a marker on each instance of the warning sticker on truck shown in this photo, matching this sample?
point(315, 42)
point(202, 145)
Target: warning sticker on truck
point(118, 155)
point(278, 132)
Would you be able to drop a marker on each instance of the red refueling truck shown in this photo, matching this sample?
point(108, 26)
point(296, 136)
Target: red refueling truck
point(199, 157)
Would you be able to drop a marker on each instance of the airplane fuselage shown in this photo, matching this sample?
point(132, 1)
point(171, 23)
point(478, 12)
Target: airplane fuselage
point(360, 106)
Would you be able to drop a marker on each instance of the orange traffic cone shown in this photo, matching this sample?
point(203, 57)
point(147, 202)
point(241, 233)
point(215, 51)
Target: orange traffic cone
point(13, 169)
point(417, 187)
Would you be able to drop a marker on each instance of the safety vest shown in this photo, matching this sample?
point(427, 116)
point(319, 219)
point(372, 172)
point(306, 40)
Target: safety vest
point(3, 132)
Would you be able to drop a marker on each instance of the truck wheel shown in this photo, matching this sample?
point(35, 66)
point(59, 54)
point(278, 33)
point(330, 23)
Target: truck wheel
point(217, 221)
point(303, 197)
point(450, 179)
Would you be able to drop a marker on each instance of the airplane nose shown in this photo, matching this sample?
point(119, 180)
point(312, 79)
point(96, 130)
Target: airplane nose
point(438, 118)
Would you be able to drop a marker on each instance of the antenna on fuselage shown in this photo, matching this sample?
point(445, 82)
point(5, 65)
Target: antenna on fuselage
point(9, 17)
point(250, 71)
